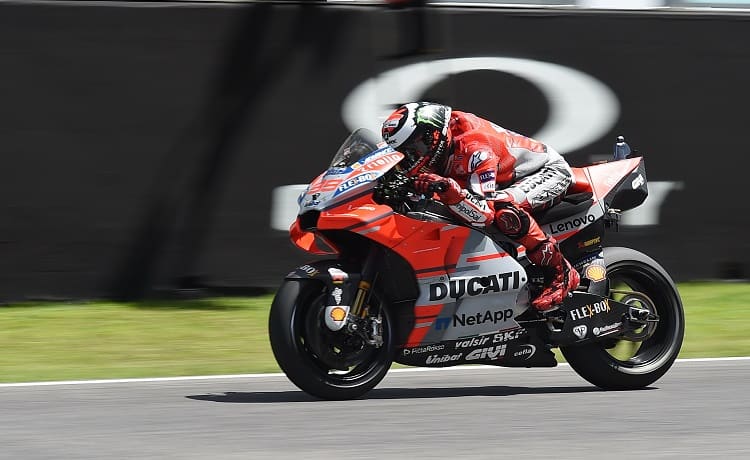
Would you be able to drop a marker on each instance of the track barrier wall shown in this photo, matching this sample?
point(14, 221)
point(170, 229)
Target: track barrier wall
point(145, 148)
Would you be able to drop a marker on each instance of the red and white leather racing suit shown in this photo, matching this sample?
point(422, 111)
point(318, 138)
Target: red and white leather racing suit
point(499, 177)
point(487, 158)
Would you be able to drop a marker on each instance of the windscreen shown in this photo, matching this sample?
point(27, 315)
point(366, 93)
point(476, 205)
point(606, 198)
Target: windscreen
point(360, 143)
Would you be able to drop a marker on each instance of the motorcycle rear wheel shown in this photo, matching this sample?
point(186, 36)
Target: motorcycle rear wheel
point(650, 359)
point(325, 364)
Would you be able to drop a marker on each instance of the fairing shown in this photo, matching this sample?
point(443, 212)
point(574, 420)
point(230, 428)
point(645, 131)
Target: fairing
point(468, 285)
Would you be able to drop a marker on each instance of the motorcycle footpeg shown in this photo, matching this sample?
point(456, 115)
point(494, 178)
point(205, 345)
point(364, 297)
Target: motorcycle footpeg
point(555, 319)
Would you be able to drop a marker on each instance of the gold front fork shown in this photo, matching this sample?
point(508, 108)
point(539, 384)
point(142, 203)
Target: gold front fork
point(359, 307)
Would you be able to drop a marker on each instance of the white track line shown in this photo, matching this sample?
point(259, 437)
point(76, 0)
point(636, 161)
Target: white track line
point(278, 375)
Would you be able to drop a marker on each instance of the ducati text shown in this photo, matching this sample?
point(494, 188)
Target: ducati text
point(475, 286)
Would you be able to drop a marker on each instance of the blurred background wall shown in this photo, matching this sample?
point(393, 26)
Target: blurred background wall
point(147, 147)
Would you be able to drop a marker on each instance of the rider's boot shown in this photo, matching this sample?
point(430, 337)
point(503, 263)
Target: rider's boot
point(543, 251)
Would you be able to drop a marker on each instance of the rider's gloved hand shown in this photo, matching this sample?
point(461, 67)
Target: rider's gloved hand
point(449, 190)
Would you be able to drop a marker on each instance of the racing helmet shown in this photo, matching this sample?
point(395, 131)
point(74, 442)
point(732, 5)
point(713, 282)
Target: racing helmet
point(420, 131)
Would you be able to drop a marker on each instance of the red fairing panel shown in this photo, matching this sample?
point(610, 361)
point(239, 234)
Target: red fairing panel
point(604, 177)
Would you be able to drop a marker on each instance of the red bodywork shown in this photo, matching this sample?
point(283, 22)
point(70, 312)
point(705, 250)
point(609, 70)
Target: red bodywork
point(426, 245)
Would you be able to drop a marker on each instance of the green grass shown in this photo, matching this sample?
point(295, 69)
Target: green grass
point(228, 335)
point(110, 340)
point(717, 319)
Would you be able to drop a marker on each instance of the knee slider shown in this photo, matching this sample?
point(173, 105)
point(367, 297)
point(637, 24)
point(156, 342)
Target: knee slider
point(512, 221)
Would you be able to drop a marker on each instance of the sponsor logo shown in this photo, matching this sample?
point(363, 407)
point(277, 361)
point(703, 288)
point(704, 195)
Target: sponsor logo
point(507, 336)
point(580, 331)
point(437, 359)
point(476, 159)
point(335, 316)
point(595, 273)
point(473, 342)
point(587, 260)
point(487, 187)
point(466, 211)
point(338, 276)
point(476, 201)
point(355, 181)
point(608, 329)
point(423, 349)
point(638, 181)
point(475, 286)
point(335, 171)
point(392, 122)
point(443, 323)
point(309, 270)
point(338, 314)
point(527, 351)
point(498, 316)
point(337, 295)
point(488, 176)
point(362, 208)
point(495, 352)
point(494, 317)
point(587, 311)
point(572, 224)
point(377, 162)
point(570, 130)
point(312, 201)
point(588, 243)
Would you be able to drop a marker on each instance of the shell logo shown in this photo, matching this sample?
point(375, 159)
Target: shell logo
point(595, 273)
point(338, 314)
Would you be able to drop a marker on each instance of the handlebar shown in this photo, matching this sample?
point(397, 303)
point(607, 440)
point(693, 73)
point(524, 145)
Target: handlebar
point(396, 187)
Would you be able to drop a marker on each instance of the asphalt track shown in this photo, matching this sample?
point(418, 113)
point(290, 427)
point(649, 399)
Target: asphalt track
point(700, 409)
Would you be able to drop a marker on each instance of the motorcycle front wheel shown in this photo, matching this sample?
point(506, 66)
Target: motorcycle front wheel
point(635, 279)
point(323, 363)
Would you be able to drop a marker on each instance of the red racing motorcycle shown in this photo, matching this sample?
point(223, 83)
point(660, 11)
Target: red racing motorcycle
point(410, 283)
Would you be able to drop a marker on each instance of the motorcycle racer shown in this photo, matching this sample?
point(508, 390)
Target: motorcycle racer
point(490, 175)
